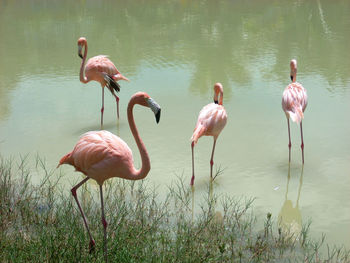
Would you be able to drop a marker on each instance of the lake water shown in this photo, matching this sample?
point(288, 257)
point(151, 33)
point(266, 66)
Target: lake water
point(176, 51)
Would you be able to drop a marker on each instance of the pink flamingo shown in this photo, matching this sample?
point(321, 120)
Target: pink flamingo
point(101, 155)
point(101, 69)
point(294, 102)
point(211, 120)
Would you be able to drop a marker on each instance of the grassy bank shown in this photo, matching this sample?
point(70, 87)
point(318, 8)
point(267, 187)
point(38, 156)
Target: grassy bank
point(41, 223)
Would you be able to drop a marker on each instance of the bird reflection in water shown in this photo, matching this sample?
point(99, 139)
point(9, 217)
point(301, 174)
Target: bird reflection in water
point(212, 201)
point(289, 218)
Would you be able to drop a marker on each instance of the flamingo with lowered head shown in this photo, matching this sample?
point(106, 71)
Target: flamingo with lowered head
point(211, 120)
point(101, 155)
point(101, 69)
point(294, 102)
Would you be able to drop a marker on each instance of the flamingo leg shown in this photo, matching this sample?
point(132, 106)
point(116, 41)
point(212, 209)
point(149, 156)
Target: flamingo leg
point(74, 193)
point(104, 223)
point(290, 143)
point(302, 141)
point(192, 179)
point(117, 100)
point(103, 106)
point(212, 160)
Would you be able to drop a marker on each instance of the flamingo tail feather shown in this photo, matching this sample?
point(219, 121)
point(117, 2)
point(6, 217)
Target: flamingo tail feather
point(111, 83)
point(65, 160)
point(297, 115)
point(198, 132)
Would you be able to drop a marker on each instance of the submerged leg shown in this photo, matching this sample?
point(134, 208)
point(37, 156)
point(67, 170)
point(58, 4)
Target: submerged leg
point(302, 141)
point(74, 193)
point(192, 179)
point(103, 106)
point(212, 160)
point(117, 100)
point(289, 144)
point(104, 223)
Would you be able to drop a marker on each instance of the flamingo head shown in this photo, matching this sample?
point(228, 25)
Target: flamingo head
point(293, 70)
point(81, 43)
point(218, 89)
point(145, 100)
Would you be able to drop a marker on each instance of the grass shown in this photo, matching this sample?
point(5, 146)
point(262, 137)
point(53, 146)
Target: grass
point(41, 223)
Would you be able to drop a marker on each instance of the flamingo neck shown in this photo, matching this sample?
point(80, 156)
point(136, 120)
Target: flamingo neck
point(218, 93)
point(293, 73)
point(146, 164)
point(82, 67)
point(221, 98)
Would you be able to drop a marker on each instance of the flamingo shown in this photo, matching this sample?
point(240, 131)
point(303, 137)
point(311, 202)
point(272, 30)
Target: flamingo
point(101, 155)
point(101, 69)
point(211, 120)
point(294, 102)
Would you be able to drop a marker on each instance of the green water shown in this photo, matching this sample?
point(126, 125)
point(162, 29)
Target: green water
point(176, 51)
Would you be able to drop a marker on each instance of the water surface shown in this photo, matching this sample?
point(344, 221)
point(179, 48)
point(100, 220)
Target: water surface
point(176, 51)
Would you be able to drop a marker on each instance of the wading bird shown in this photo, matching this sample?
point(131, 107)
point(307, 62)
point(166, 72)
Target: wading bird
point(101, 155)
point(101, 69)
point(294, 102)
point(211, 120)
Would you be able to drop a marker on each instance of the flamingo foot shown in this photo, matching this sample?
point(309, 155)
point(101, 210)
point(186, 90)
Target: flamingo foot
point(91, 246)
point(117, 99)
point(74, 191)
point(289, 147)
point(211, 169)
point(104, 223)
point(302, 151)
point(102, 110)
point(192, 181)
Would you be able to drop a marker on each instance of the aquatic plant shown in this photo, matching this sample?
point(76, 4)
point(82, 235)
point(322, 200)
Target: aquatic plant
point(38, 223)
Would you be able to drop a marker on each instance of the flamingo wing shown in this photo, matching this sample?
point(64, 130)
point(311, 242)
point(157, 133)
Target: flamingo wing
point(294, 101)
point(101, 69)
point(101, 155)
point(211, 120)
point(101, 64)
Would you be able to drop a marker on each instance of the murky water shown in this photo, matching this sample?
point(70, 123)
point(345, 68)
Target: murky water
point(176, 51)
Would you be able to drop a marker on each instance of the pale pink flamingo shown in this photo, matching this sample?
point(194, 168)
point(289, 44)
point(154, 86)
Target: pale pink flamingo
point(101, 69)
point(101, 155)
point(294, 102)
point(211, 120)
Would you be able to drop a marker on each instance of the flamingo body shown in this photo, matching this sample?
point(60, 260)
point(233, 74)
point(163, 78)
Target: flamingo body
point(101, 155)
point(96, 68)
point(294, 102)
point(211, 121)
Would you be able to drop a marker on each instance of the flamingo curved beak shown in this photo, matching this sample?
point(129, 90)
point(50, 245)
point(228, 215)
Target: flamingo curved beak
point(158, 115)
point(154, 106)
point(291, 77)
point(80, 48)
